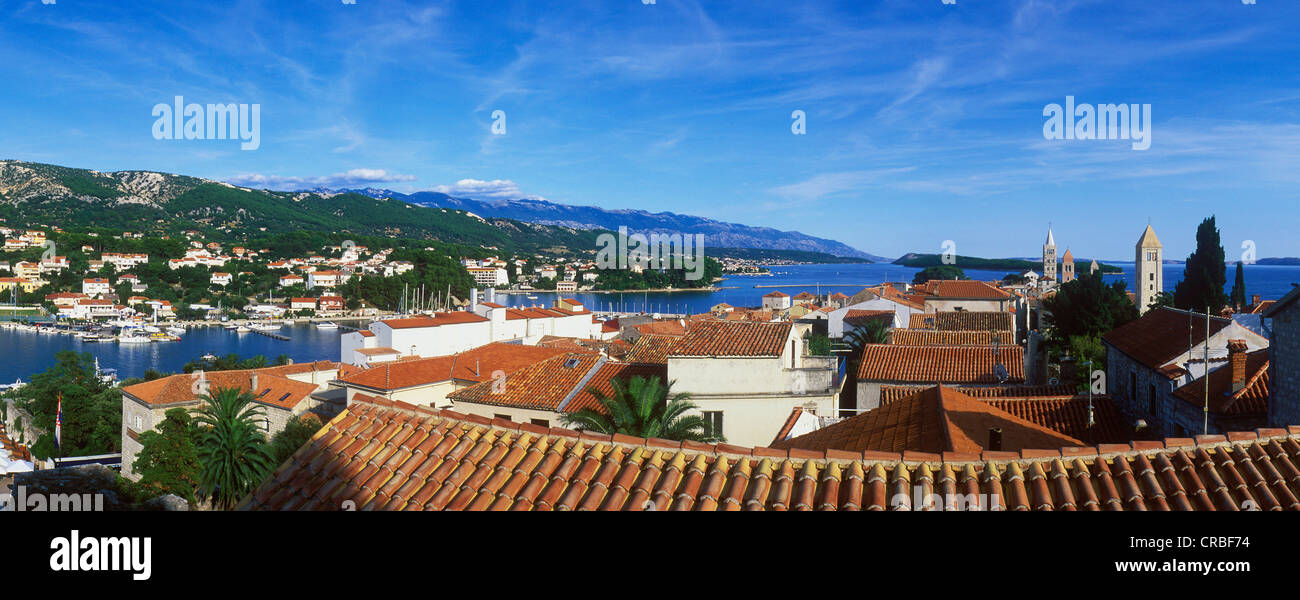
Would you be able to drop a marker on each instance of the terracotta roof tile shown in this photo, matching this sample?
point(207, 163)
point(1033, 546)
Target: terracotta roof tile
point(561, 383)
point(728, 338)
point(475, 365)
point(934, 337)
point(940, 364)
point(439, 460)
point(435, 320)
point(963, 288)
point(272, 389)
point(1250, 399)
point(961, 320)
point(652, 349)
point(1161, 335)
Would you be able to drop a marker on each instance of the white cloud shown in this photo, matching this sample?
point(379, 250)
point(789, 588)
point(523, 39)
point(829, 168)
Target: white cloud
point(497, 189)
point(351, 178)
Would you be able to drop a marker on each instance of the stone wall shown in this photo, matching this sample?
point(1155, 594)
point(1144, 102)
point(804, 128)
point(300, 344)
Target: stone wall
point(1130, 384)
point(1284, 368)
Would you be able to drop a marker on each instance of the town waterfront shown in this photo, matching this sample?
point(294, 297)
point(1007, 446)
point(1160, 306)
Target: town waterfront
point(23, 353)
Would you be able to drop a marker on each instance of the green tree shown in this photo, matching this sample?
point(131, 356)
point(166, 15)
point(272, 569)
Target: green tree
point(233, 452)
point(293, 436)
point(1204, 273)
point(92, 411)
point(1238, 296)
point(644, 408)
point(168, 461)
point(939, 272)
point(1088, 307)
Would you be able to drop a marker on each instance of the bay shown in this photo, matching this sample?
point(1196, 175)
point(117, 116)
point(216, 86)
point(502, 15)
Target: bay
point(23, 353)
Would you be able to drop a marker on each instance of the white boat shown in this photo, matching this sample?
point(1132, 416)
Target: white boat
point(176, 330)
point(133, 338)
point(151, 329)
point(267, 327)
point(327, 325)
point(242, 329)
point(13, 386)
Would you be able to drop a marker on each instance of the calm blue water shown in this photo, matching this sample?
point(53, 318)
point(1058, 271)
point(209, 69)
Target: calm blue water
point(1271, 282)
point(22, 354)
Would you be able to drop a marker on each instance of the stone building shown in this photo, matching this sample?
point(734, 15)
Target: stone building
point(1048, 280)
point(1067, 267)
point(1147, 359)
point(282, 393)
point(1148, 260)
point(1284, 360)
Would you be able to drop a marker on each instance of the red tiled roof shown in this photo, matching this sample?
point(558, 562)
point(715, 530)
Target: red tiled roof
point(940, 364)
point(380, 351)
point(733, 338)
point(1068, 415)
point(1261, 308)
point(1161, 335)
point(472, 365)
point(384, 455)
point(775, 295)
point(934, 337)
point(857, 318)
point(662, 327)
point(1250, 399)
point(961, 320)
point(560, 384)
point(936, 420)
point(437, 319)
point(272, 389)
point(652, 349)
point(890, 393)
point(964, 288)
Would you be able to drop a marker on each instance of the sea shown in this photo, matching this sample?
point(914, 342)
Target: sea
point(24, 353)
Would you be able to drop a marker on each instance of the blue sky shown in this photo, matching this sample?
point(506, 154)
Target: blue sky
point(924, 120)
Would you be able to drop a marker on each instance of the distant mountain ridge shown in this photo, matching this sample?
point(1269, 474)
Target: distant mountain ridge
point(718, 233)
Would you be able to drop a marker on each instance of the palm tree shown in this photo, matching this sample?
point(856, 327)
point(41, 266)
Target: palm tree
point(233, 453)
point(874, 331)
point(644, 408)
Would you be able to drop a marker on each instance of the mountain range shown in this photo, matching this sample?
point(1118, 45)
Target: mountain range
point(717, 233)
point(40, 193)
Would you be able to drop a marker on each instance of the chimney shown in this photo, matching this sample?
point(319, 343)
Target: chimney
point(995, 439)
point(1254, 299)
point(1237, 362)
point(473, 300)
point(253, 384)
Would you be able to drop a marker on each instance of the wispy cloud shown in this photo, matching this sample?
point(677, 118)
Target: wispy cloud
point(497, 189)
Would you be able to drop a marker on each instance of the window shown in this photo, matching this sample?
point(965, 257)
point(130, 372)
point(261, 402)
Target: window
point(714, 417)
point(1151, 276)
point(266, 425)
point(502, 417)
point(540, 422)
point(139, 423)
point(1151, 390)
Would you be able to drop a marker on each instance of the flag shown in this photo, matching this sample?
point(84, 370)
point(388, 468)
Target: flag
point(58, 422)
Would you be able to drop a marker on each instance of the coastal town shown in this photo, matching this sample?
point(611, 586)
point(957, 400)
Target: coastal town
point(899, 378)
point(656, 256)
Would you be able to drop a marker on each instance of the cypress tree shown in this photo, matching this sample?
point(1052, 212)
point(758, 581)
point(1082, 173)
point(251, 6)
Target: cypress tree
point(1205, 273)
point(1239, 289)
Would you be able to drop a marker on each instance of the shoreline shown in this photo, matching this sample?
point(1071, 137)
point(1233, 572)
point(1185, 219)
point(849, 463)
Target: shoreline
point(709, 289)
